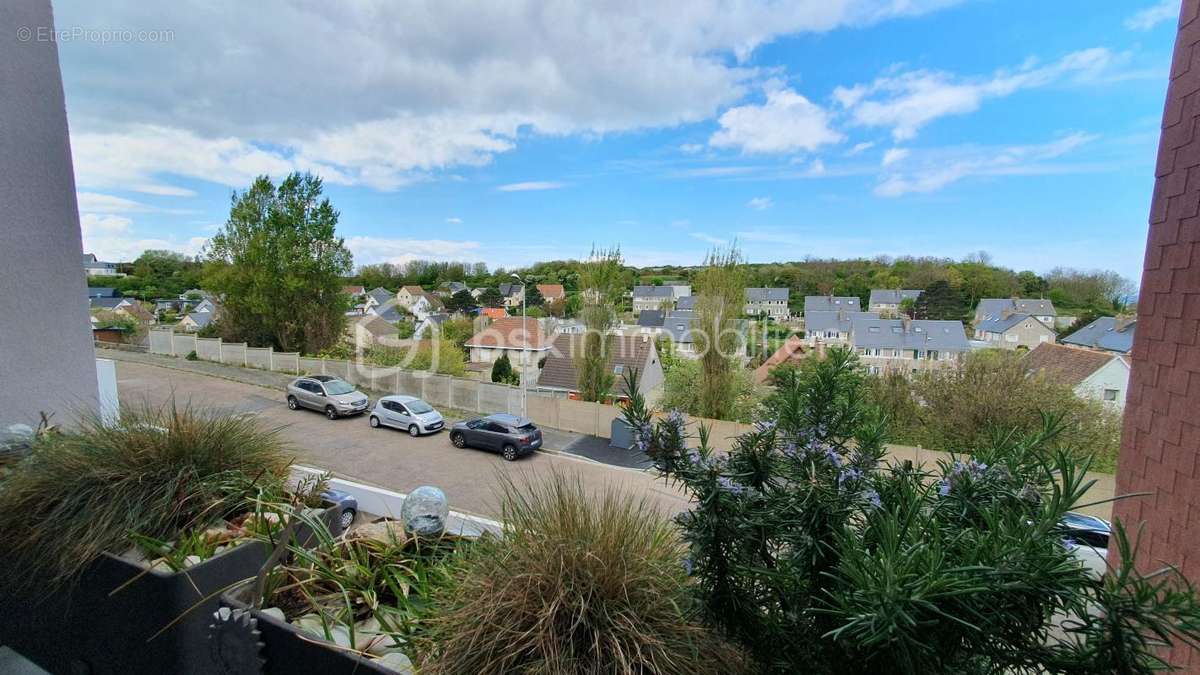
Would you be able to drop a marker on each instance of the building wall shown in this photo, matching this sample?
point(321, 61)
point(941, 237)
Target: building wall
point(1162, 434)
point(47, 356)
point(1029, 334)
point(1113, 376)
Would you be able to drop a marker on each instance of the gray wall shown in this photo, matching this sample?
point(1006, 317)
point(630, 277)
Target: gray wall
point(46, 357)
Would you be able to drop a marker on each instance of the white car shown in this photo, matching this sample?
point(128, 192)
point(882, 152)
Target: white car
point(408, 413)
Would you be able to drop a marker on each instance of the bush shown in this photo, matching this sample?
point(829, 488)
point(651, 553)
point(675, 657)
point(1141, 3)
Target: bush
point(579, 583)
point(161, 471)
point(191, 356)
point(818, 559)
point(502, 371)
point(681, 391)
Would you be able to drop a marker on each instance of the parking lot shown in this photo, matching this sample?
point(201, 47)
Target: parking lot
point(384, 457)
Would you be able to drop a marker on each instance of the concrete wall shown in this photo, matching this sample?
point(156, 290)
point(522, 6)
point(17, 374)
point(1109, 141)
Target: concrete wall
point(46, 348)
point(1162, 434)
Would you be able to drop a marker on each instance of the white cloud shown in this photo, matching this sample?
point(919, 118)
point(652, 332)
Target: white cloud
point(1150, 17)
point(893, 155)
point(708, 239)
point(409, 90)
point(100, 203)
point(530, 186)
point(936, 169)
point(691, 148)
point(760, 203)
point(93, 224)
point(369, 250)
point(454, 221)
point(860, 148)
point(816, 168)
point(908, 100)
point(785, 122)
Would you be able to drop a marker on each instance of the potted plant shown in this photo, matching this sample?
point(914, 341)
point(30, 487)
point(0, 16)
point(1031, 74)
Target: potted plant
point(351, 604)
point(121, 538)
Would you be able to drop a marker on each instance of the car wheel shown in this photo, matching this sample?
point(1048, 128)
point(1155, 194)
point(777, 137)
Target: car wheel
point(293, 404)
point(374, 422)
point(458, 440)
point(510, 453)
point(414, 430)
point(331, 412)
point(347, 519)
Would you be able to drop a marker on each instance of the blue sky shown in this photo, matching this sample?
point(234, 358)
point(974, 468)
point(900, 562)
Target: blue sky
point(839, 128)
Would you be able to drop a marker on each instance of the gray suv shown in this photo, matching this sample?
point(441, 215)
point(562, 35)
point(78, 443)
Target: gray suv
point(509, 435)
point(331, 395)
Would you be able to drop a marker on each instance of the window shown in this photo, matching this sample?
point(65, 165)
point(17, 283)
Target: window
point(1011, 337)
point(1043, 338)
point(1110, 394)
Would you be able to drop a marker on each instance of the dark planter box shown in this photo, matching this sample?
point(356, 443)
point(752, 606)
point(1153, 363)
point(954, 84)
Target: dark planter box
point(287, 651)
point(94, 628)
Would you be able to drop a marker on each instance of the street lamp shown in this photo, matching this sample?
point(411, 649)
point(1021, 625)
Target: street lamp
point(524, 346)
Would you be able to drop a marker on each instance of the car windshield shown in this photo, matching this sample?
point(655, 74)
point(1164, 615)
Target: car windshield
point(419, 407)
point(338, 387)
point(527, 427)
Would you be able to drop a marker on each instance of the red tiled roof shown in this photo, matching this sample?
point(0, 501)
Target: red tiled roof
point(353, 290)
point(495, 312)
point(512, 332)
point(1069, 365)
point(793, 349)
point(552, 291)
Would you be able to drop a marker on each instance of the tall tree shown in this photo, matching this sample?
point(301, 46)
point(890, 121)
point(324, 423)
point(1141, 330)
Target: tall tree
point(279, 266)
point(720, 296)
point(940, 301)
point(490, 297)
point(534, 297)
point(600, 277)
point(461, 301)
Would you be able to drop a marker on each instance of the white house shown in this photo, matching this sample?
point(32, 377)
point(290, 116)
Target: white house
point(1092, 373)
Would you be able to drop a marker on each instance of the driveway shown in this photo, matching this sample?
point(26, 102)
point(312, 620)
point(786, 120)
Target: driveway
point(388, 458)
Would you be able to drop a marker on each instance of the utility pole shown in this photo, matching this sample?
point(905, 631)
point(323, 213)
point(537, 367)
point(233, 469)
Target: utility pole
point(524, 347)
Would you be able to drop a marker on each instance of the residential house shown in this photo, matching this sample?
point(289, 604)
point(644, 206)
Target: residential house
point(679, 330)
point(772, 302)
point(518, 337)
point(135, 311)
point(354, 291)
point(206, 305)
point(426, 305)
point(1110, 333)
point(655, 297)
point(832, 327)
point(624, 354)
point(513, 294)
point(408, 295)
point(830, 303)
point(906, 345)
point(994, 308)
point(101, 292)
point(886, 302)
point(373, 329)
point(687, 302)
point(109, 303)
point(1092, 373)
point(552, 292)
point(569, 326)
point(651, 320)
point(1012, 330)
point(97, 268)
point(454, 287)
point(427, 324)
point(793, 350)
point(494, 312)
point(195, 321)
point(390, 311)
point(377, 296)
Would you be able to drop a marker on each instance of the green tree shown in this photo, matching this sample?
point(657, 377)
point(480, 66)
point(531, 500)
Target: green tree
point(940, 301)
point(502, 371)
point(490, 297)
point(601, 278)
point(533, 297)
point(461, 301)
point(720, 296)
point(279, 265)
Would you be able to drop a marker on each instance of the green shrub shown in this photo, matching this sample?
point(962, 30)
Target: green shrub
point(579, 583)
point(160, 472)
point(819, 559)
point(191, 356)
point(681, 391)
point(502, 371)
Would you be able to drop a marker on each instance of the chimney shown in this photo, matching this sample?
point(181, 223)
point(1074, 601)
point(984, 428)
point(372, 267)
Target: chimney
point(906, 323)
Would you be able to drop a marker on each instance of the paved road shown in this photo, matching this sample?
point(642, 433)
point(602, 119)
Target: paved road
point(352, 449)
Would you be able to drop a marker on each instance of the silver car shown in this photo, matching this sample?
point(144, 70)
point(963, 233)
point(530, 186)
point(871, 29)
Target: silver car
point(331, 395)
point(408, 413)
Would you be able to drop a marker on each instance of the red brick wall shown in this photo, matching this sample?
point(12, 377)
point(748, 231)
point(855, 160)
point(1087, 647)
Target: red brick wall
point(1161, 436)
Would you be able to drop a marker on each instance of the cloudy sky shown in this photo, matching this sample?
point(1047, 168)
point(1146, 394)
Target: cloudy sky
point(512, 132)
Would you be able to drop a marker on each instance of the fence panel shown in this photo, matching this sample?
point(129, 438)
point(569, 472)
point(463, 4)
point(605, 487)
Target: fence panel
point(357, 374)
point(543, 410)
point(577, 416)
point(234, 353)
point(160, 341)
point(258, 357)
point(604, 418)
point(437, 389)
point(516, 402)
point(464, 394)
point(182, 344)
point(288, 362)
point(493, 398)
point(410, 384)
point(208, 349)
point(310, 366)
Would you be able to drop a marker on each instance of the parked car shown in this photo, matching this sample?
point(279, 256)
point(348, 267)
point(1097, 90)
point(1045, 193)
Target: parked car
point(1086, 529)
point(509, 435)
point(331, 395)
point(348, 503)
point(408, 413)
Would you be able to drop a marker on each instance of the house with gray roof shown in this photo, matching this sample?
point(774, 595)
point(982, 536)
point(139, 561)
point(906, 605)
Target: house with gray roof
point(107, 302)
point(94, 267)
point(101, 292)
point(377, 296)
point(831, 303)
point(770, 302)
point(655, 297)
point(993, 308)
point(887, 301)
point(391, 311)
point(904, 345)
point(687, 302)
point(832, 327)
point(1110, 333)
point(651, 318)
point(1014, 331)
